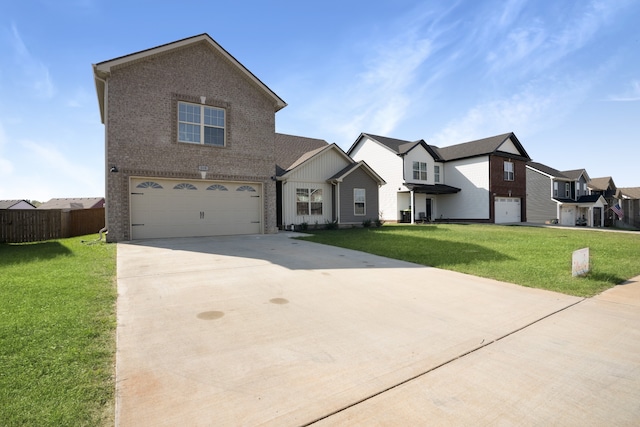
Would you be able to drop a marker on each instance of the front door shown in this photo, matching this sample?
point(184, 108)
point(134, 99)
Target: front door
point(597, 217)
point(428, 210)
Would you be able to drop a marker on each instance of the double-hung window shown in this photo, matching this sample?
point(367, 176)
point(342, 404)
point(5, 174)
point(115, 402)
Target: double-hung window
point(567, 190)
point(555, 189)
point(359, 201)
point(508, 171)
point(309, 201)
point(420, 171)
point(436, 173)
point(201, 124)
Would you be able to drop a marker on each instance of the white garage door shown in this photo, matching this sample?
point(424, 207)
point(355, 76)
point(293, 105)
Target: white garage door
point(183, 208)
point(507, 210)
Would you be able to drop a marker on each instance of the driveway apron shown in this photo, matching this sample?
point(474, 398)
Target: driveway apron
point(269, 330)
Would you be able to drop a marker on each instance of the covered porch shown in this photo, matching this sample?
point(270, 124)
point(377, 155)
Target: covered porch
point(587, 211)
point(419, 203)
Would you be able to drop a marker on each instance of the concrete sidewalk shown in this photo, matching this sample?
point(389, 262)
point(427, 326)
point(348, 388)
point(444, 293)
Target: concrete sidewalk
point(265, 330)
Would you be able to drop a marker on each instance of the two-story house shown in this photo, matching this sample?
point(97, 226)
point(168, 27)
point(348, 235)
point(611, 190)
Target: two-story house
point(562, 197)
point(478, 181)
point(605, 187)
point(190, 150)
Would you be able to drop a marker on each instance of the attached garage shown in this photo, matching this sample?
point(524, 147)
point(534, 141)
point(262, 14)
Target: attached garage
point(186, 208)
point(507, 209)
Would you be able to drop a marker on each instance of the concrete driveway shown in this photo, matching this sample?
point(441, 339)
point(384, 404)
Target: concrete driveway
point(267, 330)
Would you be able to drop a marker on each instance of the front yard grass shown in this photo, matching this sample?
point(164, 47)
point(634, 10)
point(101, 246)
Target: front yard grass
point(528, 256)
point(57, 333)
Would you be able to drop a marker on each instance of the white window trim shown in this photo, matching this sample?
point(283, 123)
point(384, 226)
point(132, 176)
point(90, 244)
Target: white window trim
point(364, 202)
point(202, 125)
point(420, 170)
point(310, 191)
point(509, 173)
point(436, 175)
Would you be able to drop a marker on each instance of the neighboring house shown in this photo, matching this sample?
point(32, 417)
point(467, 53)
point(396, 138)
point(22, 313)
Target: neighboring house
point(478, 181)
point(605, 187)
point(15, 204)
point(74, 203)
point(630, 205)
point(189, 141)
point(318, 183)
point(562, 197)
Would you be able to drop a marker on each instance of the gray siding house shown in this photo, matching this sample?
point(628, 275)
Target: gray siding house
point(562, 197)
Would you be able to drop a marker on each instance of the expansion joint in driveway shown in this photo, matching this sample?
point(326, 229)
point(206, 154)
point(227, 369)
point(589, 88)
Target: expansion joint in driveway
point(473, 350)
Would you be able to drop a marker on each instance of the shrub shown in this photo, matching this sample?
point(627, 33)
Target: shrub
point(366, 223)
point(331, 225)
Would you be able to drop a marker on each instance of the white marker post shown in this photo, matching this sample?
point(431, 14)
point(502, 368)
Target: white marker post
point(580, 262)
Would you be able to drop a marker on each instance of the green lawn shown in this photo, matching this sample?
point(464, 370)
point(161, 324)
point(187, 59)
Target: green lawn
point(57, 333)
point(529, 256)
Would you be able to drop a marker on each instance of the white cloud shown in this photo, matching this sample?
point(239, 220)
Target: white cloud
point(633, 94)
point(49, 161)
point(538, 106)
point(34, 74)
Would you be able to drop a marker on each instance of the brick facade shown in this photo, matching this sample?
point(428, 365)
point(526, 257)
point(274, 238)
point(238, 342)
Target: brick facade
point(141, 126)
point(498, 187)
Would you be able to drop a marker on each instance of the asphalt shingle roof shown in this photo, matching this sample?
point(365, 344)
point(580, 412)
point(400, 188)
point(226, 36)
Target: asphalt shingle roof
point(546, 169)
point(292, 150)
point(478, 147)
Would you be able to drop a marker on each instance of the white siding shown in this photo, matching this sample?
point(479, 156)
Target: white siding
point(388, 165)
point(290, 213)
point(509, 147)
point(419, 154)
point(313, 174)
point(472, 177)
point(319, 168)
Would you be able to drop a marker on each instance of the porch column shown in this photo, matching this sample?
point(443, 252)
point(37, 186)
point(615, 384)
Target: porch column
point(412, 207)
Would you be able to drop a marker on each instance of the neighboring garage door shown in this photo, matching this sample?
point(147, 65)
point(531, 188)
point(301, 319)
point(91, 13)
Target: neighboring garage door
point(507, 210)
point(183, 208)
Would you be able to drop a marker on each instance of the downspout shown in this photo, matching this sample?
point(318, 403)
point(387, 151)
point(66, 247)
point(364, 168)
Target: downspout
point(104, 229)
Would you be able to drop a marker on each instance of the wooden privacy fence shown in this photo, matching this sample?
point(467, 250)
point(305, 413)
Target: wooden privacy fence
point(34, 225)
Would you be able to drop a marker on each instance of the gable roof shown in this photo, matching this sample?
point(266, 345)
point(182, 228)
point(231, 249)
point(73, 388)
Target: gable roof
point(292, 150)
point(482, 147)
point(398, 146)
point(546, 170)
point(102, 70)
point(575, 174)
point(341, 175)
point(74, 203)
point(8, 204)
point(630, 192)
point(602, 183)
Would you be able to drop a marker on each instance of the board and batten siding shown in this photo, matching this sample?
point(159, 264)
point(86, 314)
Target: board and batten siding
point(471, 176)
point(540, 207)
point(357, 179)
point(313, 175)
point(388, 165)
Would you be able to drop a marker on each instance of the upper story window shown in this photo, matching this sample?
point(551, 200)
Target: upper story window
point(420, 171)
point(508, 171)
point(201, 124)
point(359, 200)
point(567, 190)
point(555, 189)
point(436, 173)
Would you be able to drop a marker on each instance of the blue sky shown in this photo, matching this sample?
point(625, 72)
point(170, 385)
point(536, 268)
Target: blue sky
point(563, 75)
